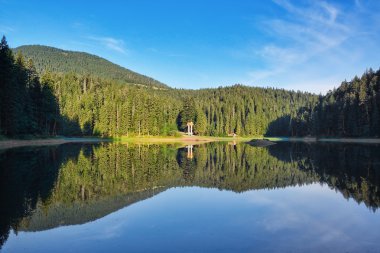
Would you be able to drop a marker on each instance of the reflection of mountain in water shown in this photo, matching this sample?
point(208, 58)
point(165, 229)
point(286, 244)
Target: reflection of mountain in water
point(58, 214)
point(43, 188)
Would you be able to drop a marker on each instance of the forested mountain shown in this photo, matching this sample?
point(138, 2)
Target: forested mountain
point(71, 93)
point(351, 110)
point(97, 103)
point(100, 107)
point(62, 61)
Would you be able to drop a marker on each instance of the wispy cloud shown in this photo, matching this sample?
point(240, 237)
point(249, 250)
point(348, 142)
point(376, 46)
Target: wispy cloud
point(114, 44)
point(6, 29)
point(304, 32)
point(311, 30)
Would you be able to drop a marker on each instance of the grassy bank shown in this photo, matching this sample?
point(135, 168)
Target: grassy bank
point(181, 139)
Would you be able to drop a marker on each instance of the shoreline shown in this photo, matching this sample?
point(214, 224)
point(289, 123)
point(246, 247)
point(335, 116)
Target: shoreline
point(188, 140)
point(14, 143)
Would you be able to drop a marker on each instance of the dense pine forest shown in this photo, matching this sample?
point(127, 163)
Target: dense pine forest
point(351, 110)
point(27, 102)
point(48, 91)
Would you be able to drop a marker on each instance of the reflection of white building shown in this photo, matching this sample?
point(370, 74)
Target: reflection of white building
point(190, 151)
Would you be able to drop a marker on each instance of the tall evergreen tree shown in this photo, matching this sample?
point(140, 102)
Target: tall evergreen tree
point(200, 122)
point(6, 76)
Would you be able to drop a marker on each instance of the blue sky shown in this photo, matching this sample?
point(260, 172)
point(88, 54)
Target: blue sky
point(301, 45)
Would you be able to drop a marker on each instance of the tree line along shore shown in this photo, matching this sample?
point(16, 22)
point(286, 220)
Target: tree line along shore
point(48, 92)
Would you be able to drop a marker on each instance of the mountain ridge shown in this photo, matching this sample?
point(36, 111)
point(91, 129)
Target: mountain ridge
point(62, 61)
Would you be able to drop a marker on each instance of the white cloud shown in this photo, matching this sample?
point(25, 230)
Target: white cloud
point(312, 30)
point(111, 43)
point(279, 55)
point(301, 37)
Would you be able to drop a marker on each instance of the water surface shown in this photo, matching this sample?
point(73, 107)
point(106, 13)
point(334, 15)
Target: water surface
point(216, 197)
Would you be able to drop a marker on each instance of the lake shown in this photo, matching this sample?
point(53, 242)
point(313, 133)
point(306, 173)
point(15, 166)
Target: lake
point(215, 197)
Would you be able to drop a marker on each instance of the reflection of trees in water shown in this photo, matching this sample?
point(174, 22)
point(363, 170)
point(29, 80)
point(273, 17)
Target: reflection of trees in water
point(71, 184)
point(239, 168)
point(352, 169)
point(27, 177)
point(104, 179)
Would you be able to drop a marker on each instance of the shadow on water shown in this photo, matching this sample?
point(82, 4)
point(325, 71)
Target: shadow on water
point(43, 188)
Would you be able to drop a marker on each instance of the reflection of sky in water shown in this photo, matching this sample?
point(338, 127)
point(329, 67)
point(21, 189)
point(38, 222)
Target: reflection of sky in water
point(303, 219)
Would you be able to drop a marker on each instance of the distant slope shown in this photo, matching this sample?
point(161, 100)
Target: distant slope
point(58, 60)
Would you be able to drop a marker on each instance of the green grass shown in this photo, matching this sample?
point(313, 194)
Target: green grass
point(143, 137)
point(183, 138)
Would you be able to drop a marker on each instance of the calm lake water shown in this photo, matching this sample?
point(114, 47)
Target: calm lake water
point(217, 197)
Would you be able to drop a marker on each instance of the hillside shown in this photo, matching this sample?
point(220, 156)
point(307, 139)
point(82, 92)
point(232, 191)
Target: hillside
point(62, 61)
point(84, 94)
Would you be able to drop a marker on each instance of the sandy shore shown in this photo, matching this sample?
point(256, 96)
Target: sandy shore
point(45, 142)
